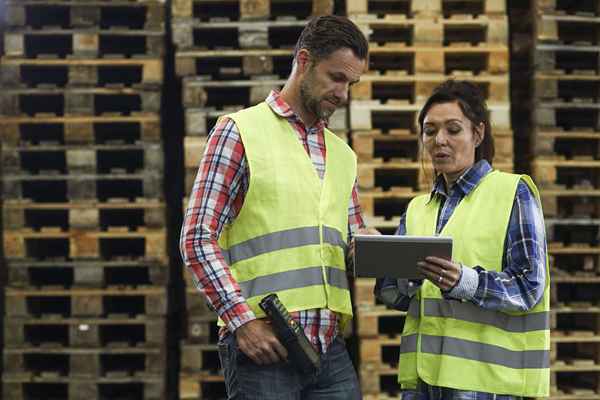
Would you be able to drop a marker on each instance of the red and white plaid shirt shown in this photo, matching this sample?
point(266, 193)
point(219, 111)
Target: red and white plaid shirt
point(217, 198)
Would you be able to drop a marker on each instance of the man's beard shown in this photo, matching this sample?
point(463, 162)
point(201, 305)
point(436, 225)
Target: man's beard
point(312, 103)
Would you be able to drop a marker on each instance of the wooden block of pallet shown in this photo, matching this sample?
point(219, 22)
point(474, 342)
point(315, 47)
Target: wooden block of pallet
point(193, 386)
point(70, 274)
point(19, 387)
point(373, 114)
point(379, 380)
point(89, 159)
point(135, 15)
point(83, 214)
point(201, 330)
point(77, 101)
point(84, 71)
point(417, 88)
point(427, 9)
point(33, 43)
point(249, 10)
point(234, 64)
point(81, 130)
point(434, 32)
point(115, 243)
point(193, 34)
point(76, 303)
point(382, 351)
point(202, 92)
point(52, 187)
point(84, 332)
point(84, 363)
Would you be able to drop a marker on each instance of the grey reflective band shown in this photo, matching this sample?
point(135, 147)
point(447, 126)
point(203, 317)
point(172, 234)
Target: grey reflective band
point(295, 279)
point(413, 307)
point(286, 239)
point(486, 353)
point(471, 313)
point(408, 344)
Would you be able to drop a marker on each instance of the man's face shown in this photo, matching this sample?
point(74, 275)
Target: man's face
point(325, 84)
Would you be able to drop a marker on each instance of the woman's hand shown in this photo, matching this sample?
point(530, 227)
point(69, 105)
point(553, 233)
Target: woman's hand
point(443, 273)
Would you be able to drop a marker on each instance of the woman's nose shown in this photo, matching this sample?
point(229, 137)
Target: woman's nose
point(441, 137)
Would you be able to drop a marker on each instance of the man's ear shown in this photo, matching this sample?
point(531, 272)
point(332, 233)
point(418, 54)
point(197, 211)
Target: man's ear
point(303, 60)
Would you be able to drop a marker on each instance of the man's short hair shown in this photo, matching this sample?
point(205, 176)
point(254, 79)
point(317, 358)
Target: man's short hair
point(326, 34)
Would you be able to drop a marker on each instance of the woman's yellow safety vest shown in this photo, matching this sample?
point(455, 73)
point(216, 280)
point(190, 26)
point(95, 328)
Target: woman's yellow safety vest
point(457, 344)
point(290, 235)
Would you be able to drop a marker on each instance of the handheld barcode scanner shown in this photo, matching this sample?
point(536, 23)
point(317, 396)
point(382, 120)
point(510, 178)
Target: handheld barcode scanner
point(300, 352)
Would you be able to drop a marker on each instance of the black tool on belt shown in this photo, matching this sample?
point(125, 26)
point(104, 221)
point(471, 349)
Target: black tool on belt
point(290, 334)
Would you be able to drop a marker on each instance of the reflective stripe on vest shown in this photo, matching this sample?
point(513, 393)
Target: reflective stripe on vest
point(282, 240)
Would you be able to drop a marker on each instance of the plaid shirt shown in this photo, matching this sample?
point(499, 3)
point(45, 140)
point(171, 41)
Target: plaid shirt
point(216, 200)
point(520, 285)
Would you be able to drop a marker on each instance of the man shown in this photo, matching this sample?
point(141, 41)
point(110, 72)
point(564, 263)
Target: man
point(269, 213)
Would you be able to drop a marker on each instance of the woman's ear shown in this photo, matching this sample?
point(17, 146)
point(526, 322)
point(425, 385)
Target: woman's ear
point(478, 134)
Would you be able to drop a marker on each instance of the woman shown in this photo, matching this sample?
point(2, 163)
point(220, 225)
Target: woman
point(477, 326)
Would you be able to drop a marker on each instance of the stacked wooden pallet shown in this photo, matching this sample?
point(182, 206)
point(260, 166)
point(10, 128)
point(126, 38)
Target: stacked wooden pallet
point(83, 213)
point(414, 46)
point(229, 55)
point(566, 165)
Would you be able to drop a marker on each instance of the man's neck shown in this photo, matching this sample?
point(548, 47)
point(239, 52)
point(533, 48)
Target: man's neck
point(291, 96)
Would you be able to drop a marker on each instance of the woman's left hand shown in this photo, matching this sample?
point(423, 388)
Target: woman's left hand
point(443, 273)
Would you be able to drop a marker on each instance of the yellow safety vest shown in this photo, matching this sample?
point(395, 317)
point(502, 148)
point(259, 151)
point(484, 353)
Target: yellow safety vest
point(457, 344)
point(290, 235)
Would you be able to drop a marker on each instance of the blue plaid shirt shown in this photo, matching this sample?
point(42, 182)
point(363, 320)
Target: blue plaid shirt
point(520, 284)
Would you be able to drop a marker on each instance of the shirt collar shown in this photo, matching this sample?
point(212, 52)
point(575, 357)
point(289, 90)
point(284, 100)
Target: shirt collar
point(283, 109)
point(466, 182)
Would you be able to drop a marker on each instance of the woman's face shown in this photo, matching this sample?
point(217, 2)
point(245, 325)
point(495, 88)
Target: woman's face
point(450, 139)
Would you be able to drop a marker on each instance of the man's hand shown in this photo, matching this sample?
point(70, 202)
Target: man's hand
point(257, 340)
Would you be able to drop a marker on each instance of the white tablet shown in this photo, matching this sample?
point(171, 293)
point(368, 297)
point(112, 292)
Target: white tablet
point(377, 256)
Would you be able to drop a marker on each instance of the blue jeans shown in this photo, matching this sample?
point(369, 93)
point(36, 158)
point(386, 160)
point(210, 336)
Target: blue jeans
point(245, 380)
point(427, 392)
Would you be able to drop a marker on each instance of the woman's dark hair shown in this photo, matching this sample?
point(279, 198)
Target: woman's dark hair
point(473, 106)
point(327, 34)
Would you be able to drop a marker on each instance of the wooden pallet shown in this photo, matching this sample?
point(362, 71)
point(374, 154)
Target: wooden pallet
point(577, 201)
point(382, 351)
point(378, 380)
point(550, 143)
point(64, 43)
point(458, 30)
point(193, 386)
point(196, 35)
point(234, 64)
point(84, 332)
point(379, 321)
point(428, 9)
point(579, 114)
point(373, 114)
point(61, 188)
point(577, 292)
point(566, 7)
point(566, 87)
point(112, 244)
point(566, 59)
point(566, 29)
point(202, 92)
point(200, 121)
point(417, 88)
point(84, 363)
point(138, 14)
point(75, 71)
point(570, 174)
point(572, 231)
point(490, 59)
point(18, 387)
point(83, 214)
point(89, 159)
point(200, 358)
point(244, 10)
point(88, 101)
point(80, 130)
point(385, 208)
point(69, 274)
point(75, 303)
